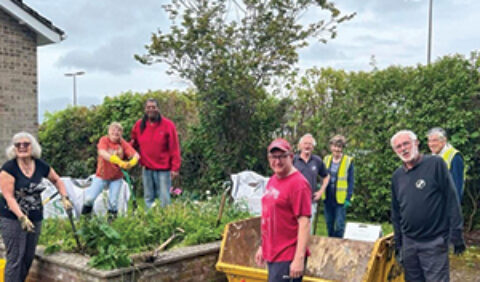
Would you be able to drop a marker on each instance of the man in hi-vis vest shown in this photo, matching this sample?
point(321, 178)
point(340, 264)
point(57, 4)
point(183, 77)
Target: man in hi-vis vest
point(339, 191)
point(438, 144)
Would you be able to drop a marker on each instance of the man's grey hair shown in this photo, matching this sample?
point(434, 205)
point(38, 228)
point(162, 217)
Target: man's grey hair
point(438, 131)
point(308, 135)
point(36, 149)
point(410, 134)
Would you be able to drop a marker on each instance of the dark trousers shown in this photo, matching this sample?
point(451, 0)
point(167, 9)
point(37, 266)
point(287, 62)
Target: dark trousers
point(20, 246)
point(335, 218)
point(426, 261)
point(280, 272)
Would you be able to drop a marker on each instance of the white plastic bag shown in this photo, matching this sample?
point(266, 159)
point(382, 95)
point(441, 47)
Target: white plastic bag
point(248, 187)
point(76, 192)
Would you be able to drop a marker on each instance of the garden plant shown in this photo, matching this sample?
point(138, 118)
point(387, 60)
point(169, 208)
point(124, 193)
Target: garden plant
point(110, 245)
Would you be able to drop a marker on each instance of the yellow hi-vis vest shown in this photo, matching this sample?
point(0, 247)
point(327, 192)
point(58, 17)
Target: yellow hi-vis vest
point(448, 156)
point(342, 177)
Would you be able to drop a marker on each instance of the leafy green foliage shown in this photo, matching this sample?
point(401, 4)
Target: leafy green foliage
point(64, 130)
point(230, 62)
point(368, 108)
point(69, 137)
point(110, 245)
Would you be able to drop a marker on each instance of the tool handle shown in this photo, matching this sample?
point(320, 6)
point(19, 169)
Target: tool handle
point(222, 204)
point(49, 198)
point(70, 217)
point(129, 182)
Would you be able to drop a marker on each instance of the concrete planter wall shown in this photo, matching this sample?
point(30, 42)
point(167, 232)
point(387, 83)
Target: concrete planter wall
point(195, 263)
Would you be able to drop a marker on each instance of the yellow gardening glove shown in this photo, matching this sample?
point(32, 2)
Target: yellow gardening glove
point(133, 162)
point(123, 165)
point(26, 224)
point(114, 159)
point(67, 204)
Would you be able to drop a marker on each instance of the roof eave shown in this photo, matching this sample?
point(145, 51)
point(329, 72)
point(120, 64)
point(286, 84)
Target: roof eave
point(45, 34)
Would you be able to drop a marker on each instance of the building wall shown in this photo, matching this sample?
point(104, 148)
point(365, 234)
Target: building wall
point(18, 80)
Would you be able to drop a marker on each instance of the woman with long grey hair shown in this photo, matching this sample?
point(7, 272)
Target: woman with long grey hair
point(21, 210)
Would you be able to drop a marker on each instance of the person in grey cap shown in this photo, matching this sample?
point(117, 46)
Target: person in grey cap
point(438, 144)
point(426, 213)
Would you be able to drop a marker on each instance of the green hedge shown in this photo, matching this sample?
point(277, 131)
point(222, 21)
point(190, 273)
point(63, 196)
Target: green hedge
point(230, 133)
point(69, 137)
point(369, 107)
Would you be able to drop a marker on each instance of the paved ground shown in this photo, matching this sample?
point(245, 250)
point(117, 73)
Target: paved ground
point(467, 266)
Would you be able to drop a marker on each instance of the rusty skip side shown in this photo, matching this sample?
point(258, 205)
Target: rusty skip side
point(338, 259)
point(332, 259)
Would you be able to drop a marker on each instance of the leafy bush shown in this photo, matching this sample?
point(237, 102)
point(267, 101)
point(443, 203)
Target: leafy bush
point(226, 128)
point(368, 108)
point(110, 245)
point(69, 137)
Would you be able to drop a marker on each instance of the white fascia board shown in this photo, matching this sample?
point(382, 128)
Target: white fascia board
point(45, 35)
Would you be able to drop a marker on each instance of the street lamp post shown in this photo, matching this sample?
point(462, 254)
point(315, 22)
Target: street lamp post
point(74, 75)
point(429, 48)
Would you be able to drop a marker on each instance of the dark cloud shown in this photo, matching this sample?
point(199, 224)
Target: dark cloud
point(104, 35)
point(115, 57)
point(95, 19)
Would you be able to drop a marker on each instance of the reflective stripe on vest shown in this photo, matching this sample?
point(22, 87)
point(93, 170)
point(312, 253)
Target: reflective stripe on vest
point(342, 177)
point(448, 156)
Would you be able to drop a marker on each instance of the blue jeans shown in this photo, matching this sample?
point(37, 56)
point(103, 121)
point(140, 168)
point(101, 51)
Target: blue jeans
point(335, 218)
point(97, 187)
point(156, 184)
point(314, 213)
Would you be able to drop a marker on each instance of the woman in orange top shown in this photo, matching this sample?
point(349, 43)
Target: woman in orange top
point(112, 150)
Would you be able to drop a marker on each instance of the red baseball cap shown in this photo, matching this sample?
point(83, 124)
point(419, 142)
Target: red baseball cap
point(280, 144)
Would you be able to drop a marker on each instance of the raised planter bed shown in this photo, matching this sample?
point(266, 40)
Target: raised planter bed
point(193, 263)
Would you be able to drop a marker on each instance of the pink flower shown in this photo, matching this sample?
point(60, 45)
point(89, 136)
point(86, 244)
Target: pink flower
point(175, 191)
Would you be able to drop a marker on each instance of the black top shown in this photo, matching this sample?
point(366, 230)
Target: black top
point(424, 202)
point(311, 169)
point(27, 191)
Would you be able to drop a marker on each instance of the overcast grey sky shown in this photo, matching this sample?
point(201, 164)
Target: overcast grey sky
point(103, 36)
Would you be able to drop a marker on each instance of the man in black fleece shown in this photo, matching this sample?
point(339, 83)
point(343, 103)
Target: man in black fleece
point(425, 212)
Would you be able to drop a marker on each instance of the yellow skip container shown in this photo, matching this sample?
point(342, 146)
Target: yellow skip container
point(332, 259)
point(2, 269)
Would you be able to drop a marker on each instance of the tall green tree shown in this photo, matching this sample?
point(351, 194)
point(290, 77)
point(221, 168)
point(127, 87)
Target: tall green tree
point(231, 60)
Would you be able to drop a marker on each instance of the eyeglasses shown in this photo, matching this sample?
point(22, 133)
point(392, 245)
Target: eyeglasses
point(278, 157)
point(402, 145)
point(22, 144)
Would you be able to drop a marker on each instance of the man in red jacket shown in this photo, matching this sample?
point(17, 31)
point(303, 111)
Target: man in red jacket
point(155, 138)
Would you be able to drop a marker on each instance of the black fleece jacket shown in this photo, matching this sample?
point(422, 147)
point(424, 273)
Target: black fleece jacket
point(425, 204)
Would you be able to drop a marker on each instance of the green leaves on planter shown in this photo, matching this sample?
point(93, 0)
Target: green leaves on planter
point(111, 257)
point(110, 245)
